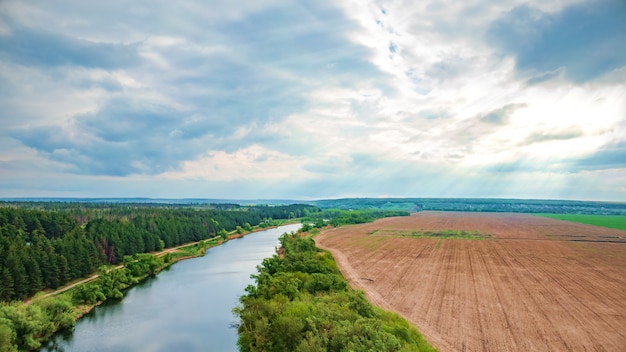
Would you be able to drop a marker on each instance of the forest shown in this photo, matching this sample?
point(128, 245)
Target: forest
point(46, 245)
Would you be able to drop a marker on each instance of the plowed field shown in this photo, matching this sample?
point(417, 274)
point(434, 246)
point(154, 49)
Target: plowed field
point(519, 283)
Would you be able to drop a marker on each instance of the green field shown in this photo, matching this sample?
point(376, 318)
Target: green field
point(611, 221)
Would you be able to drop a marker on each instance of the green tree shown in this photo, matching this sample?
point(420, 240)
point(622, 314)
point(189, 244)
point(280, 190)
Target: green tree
point(18, 274)
point(6, 288)
point(7, 336)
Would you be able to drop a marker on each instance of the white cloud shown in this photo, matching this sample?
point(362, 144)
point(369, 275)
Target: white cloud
point(253, 163)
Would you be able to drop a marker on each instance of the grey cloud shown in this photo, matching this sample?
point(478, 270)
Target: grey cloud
point(501, 116)
point(586, 39)
point(271, 60)
point(275, 58)
point(28, 46)
point(229, 94)
point(360, 164)
point(120, 139)
point(539, 137)
point(448, 69)
point(545, 76)
point(45, 139)
point(123, 120)
point(307, 37)
point(609, 157)
point(108, 84)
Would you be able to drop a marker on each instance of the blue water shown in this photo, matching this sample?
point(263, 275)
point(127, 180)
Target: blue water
point(186, 308)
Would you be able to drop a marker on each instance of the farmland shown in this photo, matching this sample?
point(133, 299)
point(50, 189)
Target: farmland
point(492, 281)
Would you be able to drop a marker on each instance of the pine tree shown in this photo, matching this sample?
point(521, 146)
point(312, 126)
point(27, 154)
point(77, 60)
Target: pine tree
point(6, 288)
point(18, 273)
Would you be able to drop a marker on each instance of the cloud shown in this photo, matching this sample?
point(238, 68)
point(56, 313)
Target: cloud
point(249, 164)
point(585, 40)
point(546, 76)
point(435, 113)
point(502, 115)
point(122, 138)
point(449, 69)
point(186, 98)
point(27, 46)
point(315, 45)
point(546, 136)
point(608, 157)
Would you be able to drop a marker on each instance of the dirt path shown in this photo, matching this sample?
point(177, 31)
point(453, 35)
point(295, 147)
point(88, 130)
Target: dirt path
point(95, 276)
point(65, 288)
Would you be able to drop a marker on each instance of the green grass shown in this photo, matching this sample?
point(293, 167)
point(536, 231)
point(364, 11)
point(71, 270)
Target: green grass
point(610, 221)
point(446, 234)
point(195, 250)
point(440, 234)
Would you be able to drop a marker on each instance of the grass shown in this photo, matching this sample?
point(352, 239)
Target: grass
point(313, 232)
point(447, 234)
point(440, 234)
point(610, 221)
point(195, 250)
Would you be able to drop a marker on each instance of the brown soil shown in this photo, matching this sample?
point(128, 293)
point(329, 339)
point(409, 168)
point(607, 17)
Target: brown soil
point(533, 284)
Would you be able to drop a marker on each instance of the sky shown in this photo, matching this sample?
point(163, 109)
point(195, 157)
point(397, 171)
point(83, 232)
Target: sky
point(276, 99)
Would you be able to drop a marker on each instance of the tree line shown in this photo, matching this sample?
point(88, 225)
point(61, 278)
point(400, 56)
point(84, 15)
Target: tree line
point(48, 247)
point(339, 217)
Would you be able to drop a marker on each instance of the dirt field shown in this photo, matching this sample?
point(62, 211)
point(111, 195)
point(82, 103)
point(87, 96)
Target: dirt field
point(531, 283)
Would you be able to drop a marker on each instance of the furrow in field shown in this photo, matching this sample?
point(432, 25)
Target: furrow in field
point(476, 281)
point(497, 318)
point(527, 288)
point(570, 287)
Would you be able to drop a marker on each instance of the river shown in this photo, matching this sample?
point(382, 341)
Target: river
point(185, 308)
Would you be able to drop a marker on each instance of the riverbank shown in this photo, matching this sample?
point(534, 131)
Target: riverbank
point(187, 307)
point(27, 324)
